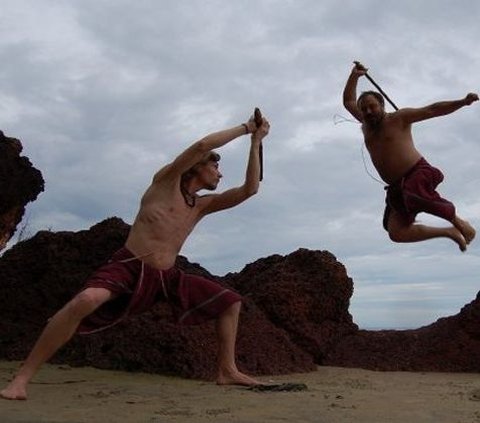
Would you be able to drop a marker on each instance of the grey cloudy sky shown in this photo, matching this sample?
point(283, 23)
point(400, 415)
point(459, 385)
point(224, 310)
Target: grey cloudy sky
point(104, 92)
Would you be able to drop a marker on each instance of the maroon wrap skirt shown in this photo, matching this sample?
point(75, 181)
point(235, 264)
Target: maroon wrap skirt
point(138, 286)
point(415, 193)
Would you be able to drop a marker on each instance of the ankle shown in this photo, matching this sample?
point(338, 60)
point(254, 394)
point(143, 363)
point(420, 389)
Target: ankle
point(22, 379)
point(227, 369)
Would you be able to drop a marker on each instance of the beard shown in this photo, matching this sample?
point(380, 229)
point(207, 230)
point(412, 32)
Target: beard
point(374, 121)
point(211, 186)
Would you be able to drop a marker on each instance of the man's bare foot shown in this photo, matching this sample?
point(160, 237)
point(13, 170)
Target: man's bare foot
point(465, 228)
point(455, 235)
point(236, 378)
point(16, 390)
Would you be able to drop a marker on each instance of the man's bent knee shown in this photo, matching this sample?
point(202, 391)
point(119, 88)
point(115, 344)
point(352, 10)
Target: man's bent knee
point(396, 235)
point(235, 307)
point(397, 229)
point(88, 301)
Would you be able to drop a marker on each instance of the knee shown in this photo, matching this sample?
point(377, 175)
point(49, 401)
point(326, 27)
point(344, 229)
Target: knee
point(237, 306)
point(83, 304)
point(398, 231)
point(396, 235)
point(234, 308)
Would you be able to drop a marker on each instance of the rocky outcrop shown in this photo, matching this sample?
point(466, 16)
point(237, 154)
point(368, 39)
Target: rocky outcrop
point(20, 183)
point(40, 274)
point(451, 344)
point(295, 316)
point(307, 293)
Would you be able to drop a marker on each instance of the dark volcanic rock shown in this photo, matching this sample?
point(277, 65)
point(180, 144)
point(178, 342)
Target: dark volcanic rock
point(451, 344)
point(307, 293)
point(295, 314)
point(20, 183)
point(41, 274)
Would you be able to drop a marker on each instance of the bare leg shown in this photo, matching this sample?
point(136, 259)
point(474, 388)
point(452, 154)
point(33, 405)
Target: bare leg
point(58, 331)
point(401, 232)
point(226, 327)
point(465, 228)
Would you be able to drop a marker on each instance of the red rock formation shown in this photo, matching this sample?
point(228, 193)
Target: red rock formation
point(307, 293)
point(39, 275)
point(20, 183)
point(295, 315)
point(451, 344)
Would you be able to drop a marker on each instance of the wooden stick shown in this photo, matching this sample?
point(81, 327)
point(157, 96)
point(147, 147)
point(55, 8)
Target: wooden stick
point(257, 116)
point(377, 87)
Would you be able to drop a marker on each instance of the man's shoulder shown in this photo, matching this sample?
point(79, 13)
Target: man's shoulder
point(393, 115)
point(397, 119)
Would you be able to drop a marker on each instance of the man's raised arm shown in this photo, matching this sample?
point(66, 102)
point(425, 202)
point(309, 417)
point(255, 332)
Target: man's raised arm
point(441, 108)
point(235, 196)
point(350, 91)
point(197, 150)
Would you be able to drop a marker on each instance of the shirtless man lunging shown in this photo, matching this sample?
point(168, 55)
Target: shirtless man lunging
point(411, 180)
point(143, 272)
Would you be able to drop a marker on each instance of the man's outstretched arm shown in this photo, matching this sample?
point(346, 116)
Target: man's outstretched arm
point(441, 108)
point(350, 91)
point(197, 150)
point(235, 196)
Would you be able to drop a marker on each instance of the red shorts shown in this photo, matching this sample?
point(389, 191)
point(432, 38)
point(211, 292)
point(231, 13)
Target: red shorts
point(415, 193)
point(139, 286)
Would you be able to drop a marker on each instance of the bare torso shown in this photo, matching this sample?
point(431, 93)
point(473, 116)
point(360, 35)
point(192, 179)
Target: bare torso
point(162, 225)
point(391, 147)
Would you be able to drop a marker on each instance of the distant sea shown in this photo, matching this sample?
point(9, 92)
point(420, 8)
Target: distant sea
point(384, 328)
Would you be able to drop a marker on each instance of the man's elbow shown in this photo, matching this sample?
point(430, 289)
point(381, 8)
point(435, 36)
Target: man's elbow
point(250, 191)
point(349, 104)
point(202, 146)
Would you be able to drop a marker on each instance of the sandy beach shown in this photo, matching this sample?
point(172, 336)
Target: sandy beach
point(61, 394)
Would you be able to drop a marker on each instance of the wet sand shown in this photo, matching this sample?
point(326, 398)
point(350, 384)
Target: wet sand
point(61, 394)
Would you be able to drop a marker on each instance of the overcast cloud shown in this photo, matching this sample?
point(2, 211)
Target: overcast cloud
point(102, 93)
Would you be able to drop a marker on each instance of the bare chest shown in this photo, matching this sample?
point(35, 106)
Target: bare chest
point(376, 139)
point(169, 218)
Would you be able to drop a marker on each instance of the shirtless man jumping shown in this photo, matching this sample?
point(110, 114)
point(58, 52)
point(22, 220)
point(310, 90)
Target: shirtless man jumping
point(143, 272)
point(411, 179)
